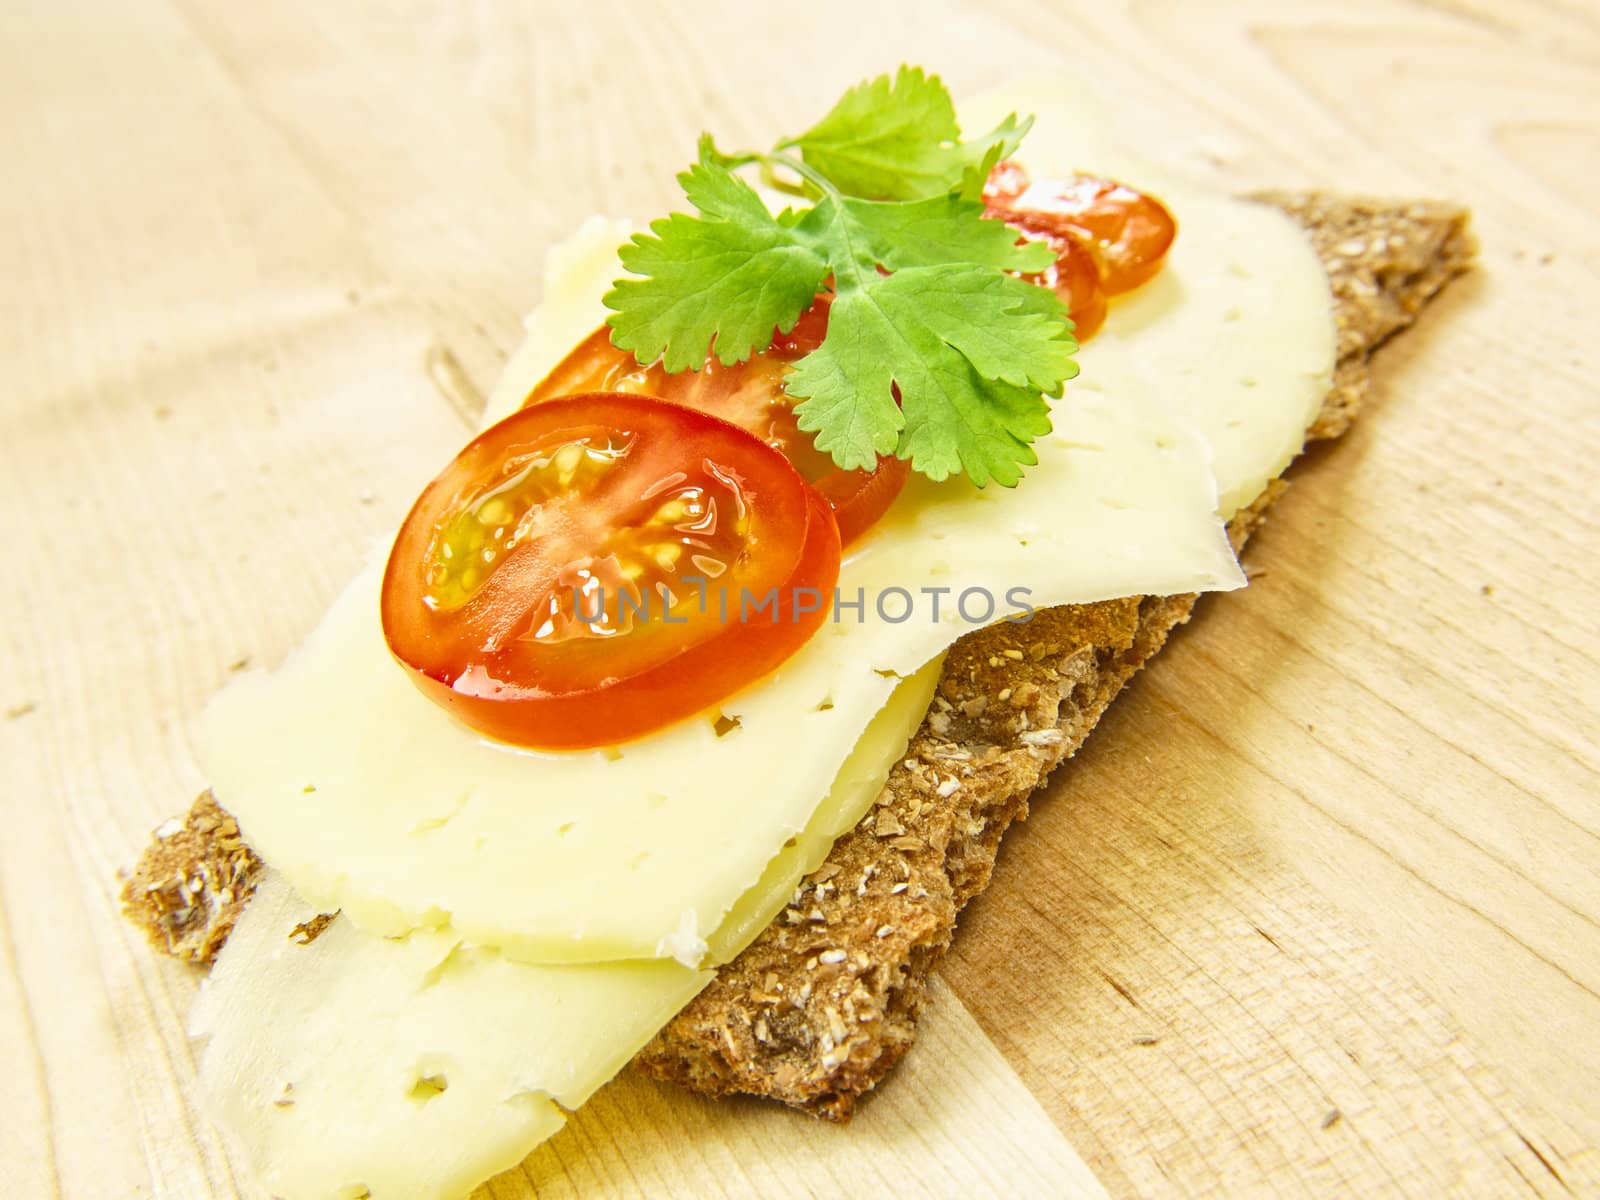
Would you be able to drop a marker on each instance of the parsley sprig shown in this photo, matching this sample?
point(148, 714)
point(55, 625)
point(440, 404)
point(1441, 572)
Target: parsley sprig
point(928, 302)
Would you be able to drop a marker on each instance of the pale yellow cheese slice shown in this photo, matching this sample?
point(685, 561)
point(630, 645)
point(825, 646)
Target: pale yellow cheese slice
point(409, 1068)
point(413, 1068)
point(370, 799)
point(858, 783)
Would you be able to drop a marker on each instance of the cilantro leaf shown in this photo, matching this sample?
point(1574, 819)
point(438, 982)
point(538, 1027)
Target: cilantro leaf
point(970, 349)
point(976, 174)
point(937, 350)
point(942, 229)
point(970, 352)
point(729, 276)
point(713, 188)
point(898, 139)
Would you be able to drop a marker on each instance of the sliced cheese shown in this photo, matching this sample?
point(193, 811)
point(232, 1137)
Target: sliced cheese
point(372, 800)
point(417, 1067)
point(410, 1069)
point(858, 783)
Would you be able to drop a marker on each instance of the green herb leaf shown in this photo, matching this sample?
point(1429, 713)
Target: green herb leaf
point(945, 229)
point(716, 191)
point(937, 349)
point(898, 139)
point(731, 275)
point(972, 354)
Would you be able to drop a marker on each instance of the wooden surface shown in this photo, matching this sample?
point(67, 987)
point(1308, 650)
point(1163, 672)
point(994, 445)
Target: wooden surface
point(1317, 911)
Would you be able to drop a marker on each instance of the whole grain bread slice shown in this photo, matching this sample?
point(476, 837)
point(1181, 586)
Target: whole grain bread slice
point(826, 1000)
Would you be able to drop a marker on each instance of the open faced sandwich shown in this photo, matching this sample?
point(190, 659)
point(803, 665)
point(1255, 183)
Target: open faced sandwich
point(805, 534)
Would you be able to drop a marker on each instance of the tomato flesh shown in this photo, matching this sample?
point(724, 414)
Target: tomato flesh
point(1075, 276)
point(1130, 231)
point(751, 395)
point(593, 568)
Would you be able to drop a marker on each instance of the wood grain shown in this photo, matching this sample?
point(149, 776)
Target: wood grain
point(959, 1122)
point(1338, 852)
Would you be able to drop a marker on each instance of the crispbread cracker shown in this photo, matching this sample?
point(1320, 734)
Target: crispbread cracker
point(826, 1000)
point(192, 882)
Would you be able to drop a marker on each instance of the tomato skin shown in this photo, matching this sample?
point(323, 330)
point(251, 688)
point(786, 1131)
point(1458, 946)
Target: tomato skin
point(616, 713)
point(1075, 276)
point(1131, 230)
point(485, 659)
point(860, 498)
point(1006, 182)
point(749, 394)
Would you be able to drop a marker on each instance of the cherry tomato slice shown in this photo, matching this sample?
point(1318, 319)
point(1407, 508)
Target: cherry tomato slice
point(596, 567)
point(1075, 275)
point(749, 394)
point(1131, 231)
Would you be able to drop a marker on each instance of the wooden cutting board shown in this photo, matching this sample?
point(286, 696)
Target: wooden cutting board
point(1317, 911)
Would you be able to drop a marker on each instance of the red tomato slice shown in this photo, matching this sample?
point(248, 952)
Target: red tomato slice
point(543, 588)
point(749, 394)
point(1131, 231)
point(1075, 275)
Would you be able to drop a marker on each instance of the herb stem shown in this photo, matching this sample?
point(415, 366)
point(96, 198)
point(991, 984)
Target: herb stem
point(771, 178)
point(815, 178)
